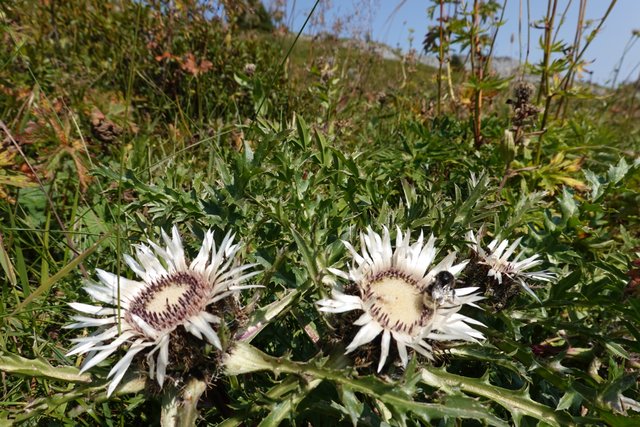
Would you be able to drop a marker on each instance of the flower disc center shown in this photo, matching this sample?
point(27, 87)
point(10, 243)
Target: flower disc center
point(169, 301)
point(397, 302)
point(168, 298)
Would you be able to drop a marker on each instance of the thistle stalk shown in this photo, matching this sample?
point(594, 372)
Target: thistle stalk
point(180, 407)
point(478, 70)
point(552, 6)
point(440, 57)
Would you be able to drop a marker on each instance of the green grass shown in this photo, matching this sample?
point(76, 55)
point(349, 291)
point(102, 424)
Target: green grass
point(343, 141)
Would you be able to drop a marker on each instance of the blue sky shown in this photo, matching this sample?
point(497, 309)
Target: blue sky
point(394, 22)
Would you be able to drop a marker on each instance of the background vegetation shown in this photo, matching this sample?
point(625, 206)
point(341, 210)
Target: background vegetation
point(120, 118)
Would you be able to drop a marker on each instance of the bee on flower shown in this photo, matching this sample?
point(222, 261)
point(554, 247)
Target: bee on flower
point(400, 295)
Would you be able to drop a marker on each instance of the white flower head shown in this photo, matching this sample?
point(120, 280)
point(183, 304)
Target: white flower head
point(496, 257)
point(171, 293)
point(402, 297)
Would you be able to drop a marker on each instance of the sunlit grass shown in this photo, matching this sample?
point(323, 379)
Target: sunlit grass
point(126, 141)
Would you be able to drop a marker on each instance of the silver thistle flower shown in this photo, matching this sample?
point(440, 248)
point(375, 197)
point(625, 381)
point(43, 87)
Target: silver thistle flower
point(496, 257)
point(398, 298)
point(171, 293)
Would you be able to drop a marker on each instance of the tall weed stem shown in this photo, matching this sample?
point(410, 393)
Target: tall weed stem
point(552, 6)
point(478, 71)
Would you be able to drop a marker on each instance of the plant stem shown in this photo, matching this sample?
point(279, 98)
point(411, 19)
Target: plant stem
point(487, 63)
point(616, 71)
point(544, 81)
point(452, 93)
point(569, 78)
point(180, 408)
point(571, 73)
point(440, 57)
point(477, 70)
point(548, 29)
point(561, 22)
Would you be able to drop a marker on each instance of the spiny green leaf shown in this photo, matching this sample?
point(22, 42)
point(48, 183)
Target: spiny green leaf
point(303, 131)
point(262, 316)
point(568, 204)
point(353, 407)
point(597, 189)
point(615, 420)
point(308, 256)
point(389, 394)
point(132, 384)
point(568, 399)
point(615, 174)
point(617, 349)
point(41, 368)
point(518, 403)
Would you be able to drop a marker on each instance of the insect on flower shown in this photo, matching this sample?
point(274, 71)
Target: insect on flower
point(402, 297)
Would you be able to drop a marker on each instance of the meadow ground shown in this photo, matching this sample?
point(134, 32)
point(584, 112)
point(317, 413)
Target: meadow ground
point(121, 119)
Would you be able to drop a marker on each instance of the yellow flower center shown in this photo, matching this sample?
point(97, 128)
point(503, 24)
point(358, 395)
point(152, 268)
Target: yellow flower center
point(167, 298)
point(397, 302)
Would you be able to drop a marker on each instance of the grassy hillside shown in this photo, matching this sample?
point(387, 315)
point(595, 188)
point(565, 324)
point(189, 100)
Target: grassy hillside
point(120, 119)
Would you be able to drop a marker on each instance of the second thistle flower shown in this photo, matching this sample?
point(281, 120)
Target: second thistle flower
point(503, 276)
point(402, 296)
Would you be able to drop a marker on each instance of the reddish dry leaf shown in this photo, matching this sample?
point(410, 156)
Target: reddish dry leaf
point(81, 169)
point(191, 65)
point(633, 286)
point(97, 116)
point(205, 66)
point(30, 133)
point(165, 55)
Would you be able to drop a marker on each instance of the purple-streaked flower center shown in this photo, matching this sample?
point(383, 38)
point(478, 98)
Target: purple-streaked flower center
point(168, 301)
